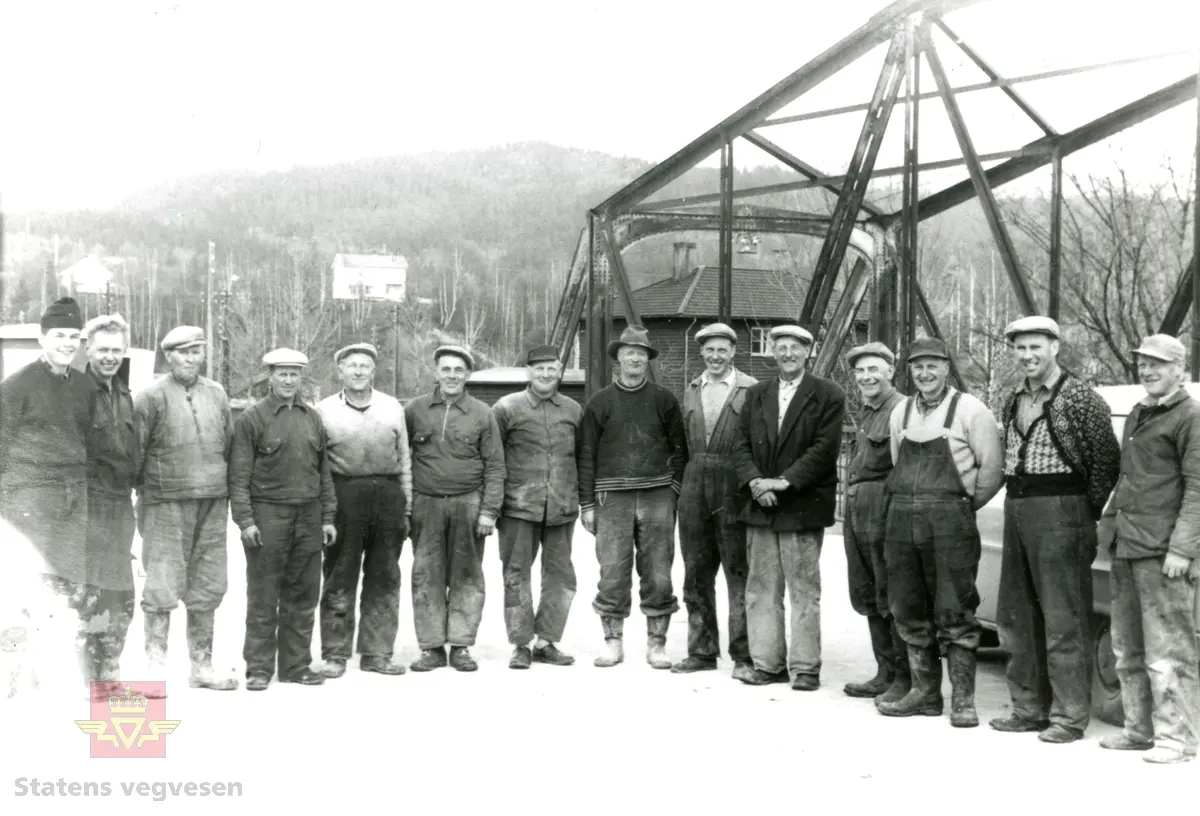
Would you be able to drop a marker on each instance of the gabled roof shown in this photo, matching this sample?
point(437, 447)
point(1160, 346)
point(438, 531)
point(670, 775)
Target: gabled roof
point(763, 294)
point(371, 261)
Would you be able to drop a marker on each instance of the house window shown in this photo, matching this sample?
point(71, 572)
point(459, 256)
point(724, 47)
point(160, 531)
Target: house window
point(575, 347)
point(760, 342)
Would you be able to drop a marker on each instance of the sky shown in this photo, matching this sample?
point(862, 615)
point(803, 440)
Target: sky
point(104, 99)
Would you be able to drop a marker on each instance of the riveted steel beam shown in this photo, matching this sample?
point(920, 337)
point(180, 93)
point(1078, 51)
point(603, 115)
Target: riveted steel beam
point(802, 167)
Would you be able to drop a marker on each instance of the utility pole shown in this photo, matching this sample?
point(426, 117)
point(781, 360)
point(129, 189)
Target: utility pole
point(396, 350)
point(208, 307)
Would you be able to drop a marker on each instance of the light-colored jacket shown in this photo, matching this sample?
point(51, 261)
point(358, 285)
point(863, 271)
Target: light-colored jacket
point(184, 436)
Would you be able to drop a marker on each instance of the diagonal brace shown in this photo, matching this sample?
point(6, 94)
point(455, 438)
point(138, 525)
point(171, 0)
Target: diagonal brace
point(800, 166)
point(616, 268)
point(842, 322)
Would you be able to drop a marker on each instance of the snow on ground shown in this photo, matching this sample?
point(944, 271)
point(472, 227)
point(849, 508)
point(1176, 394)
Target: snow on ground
point(572, 740)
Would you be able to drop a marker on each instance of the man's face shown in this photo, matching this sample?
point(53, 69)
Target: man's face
point(544, 377)
point(357, 371)
point(285, 381)
point(790, 355)
point(1159, 378)
point(929, 374)
point(60, 345)
point(872, 374)
point(105, 352)
point(185, 363)
point(1036, 353)
point(633, 360)
point(718, 356)
point(451, 374)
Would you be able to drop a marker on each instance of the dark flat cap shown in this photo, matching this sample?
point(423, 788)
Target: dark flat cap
point(928, 347)
point(541, 354)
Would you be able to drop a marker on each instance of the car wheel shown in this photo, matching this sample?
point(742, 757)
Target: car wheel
point(1106, 689)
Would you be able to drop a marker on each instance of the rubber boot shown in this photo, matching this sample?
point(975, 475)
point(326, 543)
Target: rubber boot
point(962, 683)
point(925, 696)
point(200, 639)
point(614, 650)
point(656, 642)
point(881, 645)
point(158, 629)
point(902, 678)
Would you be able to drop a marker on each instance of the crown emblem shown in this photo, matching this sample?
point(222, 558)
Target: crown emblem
point(129, 704)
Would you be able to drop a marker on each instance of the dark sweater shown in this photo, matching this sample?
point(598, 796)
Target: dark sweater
point(44, 420)
point(630, 439)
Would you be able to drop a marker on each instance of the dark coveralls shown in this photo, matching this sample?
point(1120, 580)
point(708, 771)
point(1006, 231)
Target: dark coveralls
point(279, 481)
point(932, 549)
point(710, 536)
point(113, 461)
point(863, 532)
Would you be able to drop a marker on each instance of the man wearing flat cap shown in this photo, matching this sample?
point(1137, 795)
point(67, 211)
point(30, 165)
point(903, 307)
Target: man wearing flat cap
point(282, 498)
point(632, 454)
point(1152, 528)
point(948, 462)
point(458, 489)
point(185, 427)
point(45, 416)
point(372, 476)
point(873, 365)
point(709, 534)
point(786, 453)
point(1061, 461)
point(538, 427)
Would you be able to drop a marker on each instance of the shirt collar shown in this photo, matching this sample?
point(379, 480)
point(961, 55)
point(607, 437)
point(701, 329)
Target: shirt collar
point(535, 400)
point(457, 402)
point(1048, 385)
point(882, 397)
point(342, 395)
point(729, 379)
point(275, 404)
point(784, 384)
point(46, 364)
point(1175, 396)
point(114, 384)
point(921, 401)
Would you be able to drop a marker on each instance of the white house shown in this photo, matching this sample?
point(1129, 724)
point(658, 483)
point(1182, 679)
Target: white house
point(371, 277)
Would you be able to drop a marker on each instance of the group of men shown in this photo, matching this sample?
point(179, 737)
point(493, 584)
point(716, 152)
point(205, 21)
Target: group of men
point(323, 494)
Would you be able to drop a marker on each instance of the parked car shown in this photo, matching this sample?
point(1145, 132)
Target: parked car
point(1106, 691)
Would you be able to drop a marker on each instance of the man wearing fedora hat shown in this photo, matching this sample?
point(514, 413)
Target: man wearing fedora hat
point(45, 417)
point(185, 427)
point(372, 476)
point(282, 498)
point(1152, 528)
point(632, 453)
point(1061, 462)
point(948, 463)
point(709, 534)
point(539, 427)
point(786, 453)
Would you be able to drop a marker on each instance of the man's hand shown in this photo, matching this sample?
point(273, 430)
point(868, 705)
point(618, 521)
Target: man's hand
point(758, 487)
point(589, 521)
point(767, 499)
point(251, 536)
point(1176, 565)
point(484, 526)
point(329, 533)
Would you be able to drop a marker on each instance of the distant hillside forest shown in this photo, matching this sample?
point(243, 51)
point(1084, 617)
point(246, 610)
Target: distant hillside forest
point(489, 234)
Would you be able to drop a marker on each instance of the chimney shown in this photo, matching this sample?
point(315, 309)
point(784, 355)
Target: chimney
point(682, 261)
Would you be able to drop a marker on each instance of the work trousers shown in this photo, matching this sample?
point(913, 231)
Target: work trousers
point(371, 527)
point(519, 543)
point(779, 561)
point(53, 517)
point(932, 552)
point(711, 538)
point(1044, 609)
point(102, 622)
point(283, 587)
point(183, 552)
point(635, 527)
point(863, 533)
point(1154, 640)
point(447, 582)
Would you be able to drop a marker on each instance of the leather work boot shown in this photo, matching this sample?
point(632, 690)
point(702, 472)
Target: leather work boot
point(460, 659)
point(305, 677)
point(429, 660)
point(379, 664)
point(552, 656)
point(924, 699)
point(1060, 735)
point(881, 645)
point(962, 682)
point(692, 663)
point(1124, 742)
point(902, 679)
point(158, 628)
point(200, 638)
point(1012, 724)
point(521, 658)
point(334, 668)
point(656, 642)
point(742, 669)
point(257, 682)
point(614, 649)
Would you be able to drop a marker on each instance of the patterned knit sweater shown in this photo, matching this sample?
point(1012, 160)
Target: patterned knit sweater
point(1075, 430)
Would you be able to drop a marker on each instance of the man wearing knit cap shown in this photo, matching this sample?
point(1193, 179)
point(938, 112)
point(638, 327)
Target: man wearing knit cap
point(948, 463)
point(873, 365)
point(1152, 528)
point(45, 414)
point(541, 502)
point(786, 453)
point(632, 453)
point(372, 477)
point(185, 427)
point(709, 534)
point(282, 498)
point(458, 488)
point(1061, 463)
